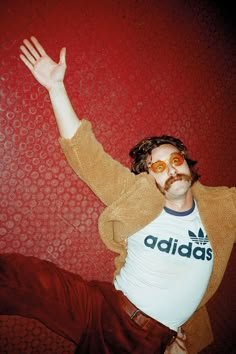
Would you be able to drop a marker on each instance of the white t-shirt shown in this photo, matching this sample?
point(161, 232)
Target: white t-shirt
point(168, 266)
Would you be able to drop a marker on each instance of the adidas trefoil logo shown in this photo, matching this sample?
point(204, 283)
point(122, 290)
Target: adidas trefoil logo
point(199, 239)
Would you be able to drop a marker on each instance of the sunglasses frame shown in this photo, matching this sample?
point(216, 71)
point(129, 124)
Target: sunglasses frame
point(153, 165)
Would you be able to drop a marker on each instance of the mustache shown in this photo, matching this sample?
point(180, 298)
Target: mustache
point(179, 176)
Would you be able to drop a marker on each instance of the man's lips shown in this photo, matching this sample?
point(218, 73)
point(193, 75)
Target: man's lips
point(175, 179)
point(178, 177)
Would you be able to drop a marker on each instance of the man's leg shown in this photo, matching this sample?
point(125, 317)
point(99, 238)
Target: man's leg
point(89, 314)
point(39, 289)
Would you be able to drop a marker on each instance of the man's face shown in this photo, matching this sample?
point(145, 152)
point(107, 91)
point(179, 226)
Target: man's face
point(172, 174)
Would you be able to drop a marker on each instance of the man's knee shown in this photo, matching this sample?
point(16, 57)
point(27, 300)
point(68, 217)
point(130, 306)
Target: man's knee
point(16, 269)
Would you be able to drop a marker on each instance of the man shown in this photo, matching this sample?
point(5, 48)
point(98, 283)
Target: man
point(168, 230)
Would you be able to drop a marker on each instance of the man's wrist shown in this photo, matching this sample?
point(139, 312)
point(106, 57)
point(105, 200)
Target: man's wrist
point(57, 88)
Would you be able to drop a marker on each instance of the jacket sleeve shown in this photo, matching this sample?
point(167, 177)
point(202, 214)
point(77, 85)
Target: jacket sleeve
point(107, 178)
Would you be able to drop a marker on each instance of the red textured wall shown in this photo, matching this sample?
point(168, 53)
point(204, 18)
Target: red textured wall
point(135, 68)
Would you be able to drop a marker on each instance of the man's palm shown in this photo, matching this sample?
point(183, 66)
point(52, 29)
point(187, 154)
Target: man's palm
point(47, 72)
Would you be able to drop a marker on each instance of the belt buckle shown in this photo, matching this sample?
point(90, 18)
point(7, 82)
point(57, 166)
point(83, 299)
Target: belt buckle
point(134, 314)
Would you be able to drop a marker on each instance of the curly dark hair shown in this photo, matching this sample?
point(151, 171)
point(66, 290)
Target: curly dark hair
point(143, 149)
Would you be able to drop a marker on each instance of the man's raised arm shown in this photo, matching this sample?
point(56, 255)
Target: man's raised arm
point(107, 178)
point(51, 75)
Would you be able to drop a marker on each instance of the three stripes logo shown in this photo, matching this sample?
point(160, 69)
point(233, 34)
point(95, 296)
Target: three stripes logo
point(199, 239)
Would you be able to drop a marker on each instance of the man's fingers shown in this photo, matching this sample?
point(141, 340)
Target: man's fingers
point(27, 54)
point(63, 56)
point(31, 49)
point(38, 45)
point(181, 334)
point(31, 53)
point(26, 62)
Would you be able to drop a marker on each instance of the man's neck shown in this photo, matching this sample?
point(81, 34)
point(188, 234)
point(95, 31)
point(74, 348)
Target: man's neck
point(183, 203)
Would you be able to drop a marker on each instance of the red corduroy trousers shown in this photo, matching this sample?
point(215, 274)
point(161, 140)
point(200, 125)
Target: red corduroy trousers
point(87, 313)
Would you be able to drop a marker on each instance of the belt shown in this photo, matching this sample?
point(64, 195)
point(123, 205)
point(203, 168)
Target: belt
point(144, 321)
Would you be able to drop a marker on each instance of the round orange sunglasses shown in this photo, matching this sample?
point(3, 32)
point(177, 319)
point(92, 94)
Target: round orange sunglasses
point(176, 159)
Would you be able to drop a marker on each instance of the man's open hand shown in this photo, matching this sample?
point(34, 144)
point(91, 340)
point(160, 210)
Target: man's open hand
point(44, 69)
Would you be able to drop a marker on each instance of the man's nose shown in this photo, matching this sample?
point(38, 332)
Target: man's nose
point(171, 170)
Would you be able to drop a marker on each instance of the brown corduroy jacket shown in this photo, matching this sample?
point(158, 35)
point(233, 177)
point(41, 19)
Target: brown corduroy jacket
point(133, 201)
